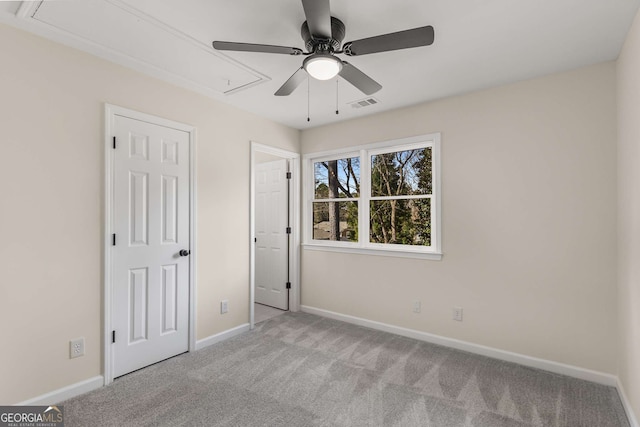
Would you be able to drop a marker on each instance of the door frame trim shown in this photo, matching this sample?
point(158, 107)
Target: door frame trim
point(294, 212)
point(110, 112)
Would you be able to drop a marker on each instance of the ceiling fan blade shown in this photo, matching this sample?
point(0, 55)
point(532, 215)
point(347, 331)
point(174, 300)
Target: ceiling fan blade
point(294, 81)
point(318, 17)
point(359, 79)
point(250, 47)
point(416, 37)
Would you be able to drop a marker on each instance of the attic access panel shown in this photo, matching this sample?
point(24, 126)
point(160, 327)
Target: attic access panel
point(108, 26)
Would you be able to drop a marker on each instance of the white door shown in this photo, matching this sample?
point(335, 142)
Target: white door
point(272, 256)
point(150, 285)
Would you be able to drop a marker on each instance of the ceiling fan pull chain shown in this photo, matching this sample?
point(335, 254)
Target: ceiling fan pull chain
point(337, 108)
point(308, 99)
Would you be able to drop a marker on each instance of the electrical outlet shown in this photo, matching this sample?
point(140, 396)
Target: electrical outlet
point(457, 314)
point(417, 306)
point(224, 306)
point(76, 348)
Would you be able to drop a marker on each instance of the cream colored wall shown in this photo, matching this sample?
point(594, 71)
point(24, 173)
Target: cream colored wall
point(629, 214)
point(529, 230)
point(51, 122)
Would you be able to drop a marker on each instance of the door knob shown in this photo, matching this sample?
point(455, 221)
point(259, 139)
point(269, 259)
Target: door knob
point(184, 252)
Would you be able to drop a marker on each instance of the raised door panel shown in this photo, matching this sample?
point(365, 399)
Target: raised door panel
point(169, 298)
point(138, 208)
point(138, 301)
point(169, 210)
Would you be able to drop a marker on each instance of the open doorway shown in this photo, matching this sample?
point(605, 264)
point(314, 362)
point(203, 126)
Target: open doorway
point(275, 241)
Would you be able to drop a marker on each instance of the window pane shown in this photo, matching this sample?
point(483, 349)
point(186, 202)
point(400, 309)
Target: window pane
point(337, 178)
point(402, 173)
point(401, 222)
point(335, 221)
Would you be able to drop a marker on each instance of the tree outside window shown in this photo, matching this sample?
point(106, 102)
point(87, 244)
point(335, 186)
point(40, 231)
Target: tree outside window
point(400, 206)
point(383, 197)
point(335, 207)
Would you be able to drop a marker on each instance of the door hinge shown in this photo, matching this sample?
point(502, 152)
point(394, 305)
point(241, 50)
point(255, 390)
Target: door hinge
point(114, 142)
point(288, 230)
point(113, 239)
point(288, 175)
point(113, 337)
point(288, 285)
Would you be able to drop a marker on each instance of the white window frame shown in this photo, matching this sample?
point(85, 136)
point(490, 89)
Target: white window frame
point(363, 246)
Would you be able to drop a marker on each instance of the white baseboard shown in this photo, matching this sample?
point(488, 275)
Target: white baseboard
point(521, 359)
point(67, 392)
point(225, 335)
point(94, 383)
point(627, 405)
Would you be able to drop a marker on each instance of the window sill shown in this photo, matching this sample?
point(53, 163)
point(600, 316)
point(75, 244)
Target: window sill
point(434, 256)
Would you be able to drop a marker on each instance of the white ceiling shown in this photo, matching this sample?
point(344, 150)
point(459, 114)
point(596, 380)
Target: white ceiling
point(478, 44)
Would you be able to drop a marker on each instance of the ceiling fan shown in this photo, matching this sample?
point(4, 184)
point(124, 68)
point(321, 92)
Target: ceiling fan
point(323, 34)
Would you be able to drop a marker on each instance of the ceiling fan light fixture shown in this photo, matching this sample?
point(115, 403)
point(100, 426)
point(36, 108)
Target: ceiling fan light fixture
point(322, 66)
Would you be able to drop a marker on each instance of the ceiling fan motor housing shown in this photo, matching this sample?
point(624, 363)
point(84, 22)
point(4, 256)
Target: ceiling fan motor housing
point(314, 45)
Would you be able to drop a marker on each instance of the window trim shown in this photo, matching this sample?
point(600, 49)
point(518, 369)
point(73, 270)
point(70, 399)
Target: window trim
point(433, 252)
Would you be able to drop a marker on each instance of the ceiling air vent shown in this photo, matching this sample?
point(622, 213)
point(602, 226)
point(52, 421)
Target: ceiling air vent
point(364, 102)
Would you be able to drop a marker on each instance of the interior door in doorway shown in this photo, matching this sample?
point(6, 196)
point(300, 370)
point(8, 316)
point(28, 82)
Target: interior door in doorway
point(271, 213)
point(150, 269)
